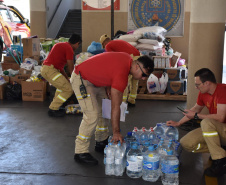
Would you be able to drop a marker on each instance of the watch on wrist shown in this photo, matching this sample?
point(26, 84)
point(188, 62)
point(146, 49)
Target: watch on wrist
point(196, 116)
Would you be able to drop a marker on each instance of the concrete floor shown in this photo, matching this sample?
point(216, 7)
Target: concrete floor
point(38, 150)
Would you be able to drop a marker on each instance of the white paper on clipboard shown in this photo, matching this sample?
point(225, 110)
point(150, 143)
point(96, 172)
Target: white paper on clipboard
point(106, 109)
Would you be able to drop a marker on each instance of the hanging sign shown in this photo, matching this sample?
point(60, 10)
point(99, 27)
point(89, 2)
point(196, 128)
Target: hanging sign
point(165, 13)
point(100, 4)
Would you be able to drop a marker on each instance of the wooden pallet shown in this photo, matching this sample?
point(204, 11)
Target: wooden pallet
point(142, 93)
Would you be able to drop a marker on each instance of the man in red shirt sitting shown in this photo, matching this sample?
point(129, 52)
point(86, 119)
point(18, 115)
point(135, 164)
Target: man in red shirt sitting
point(211, 137)
point(53, 71)
point(103, 76)
point(123, 46)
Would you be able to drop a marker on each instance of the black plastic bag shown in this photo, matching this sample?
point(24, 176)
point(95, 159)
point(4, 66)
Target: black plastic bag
point(13, 91)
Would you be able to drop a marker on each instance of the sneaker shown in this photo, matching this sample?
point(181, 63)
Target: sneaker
point(56, 113)
point(85, 158)
point(218, 168)
point(101, 145)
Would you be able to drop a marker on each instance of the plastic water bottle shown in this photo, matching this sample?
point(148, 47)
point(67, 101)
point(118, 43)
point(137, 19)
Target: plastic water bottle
point(110, 160)
point(129, 139)
point(134, 162)
point(152, 137)
point(143, 137)
point(105, 154)
point(172, 133)
point(135, 133)
point(119, 162)
point(11, 72)
point(159, 130)
point(145, 147)
point(151, 170)
point(170, 169)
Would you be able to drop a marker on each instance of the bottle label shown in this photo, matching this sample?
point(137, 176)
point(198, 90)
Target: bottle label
point(109, 160)
point(118, 161)
point(147, 165)
point(170, 168)
point(134, 166)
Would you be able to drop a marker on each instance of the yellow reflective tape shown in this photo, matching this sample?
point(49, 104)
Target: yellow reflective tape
point(210, 134)
point(58, 90)
point(98, 128)
point(198, 147)
point(57, 76)
point(124, 97)
point(79, 96)
point(133, 95)
point(60, 97)
point(83, 137)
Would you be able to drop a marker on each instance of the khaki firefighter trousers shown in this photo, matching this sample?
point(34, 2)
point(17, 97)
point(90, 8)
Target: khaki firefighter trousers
point(63, 86)
point(132, 89)
point(92, 114)
point(208, 138)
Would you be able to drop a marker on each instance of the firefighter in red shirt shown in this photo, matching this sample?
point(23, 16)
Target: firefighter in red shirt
point(103, 76)
point(53, 71)
point(123, 46)
point(211, 137)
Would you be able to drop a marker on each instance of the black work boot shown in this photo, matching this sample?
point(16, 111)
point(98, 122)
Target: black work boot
point(56, 113)
point(101, 145)
point(85, 158)
point(218, 168)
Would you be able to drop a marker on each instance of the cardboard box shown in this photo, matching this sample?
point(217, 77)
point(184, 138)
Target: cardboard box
point(18, 78)
point(35, 57)
point(31, 46)
point(33, 91)
point(9, 59)
point(2, 87)
point(174, 74)
point(175, 87)
point(23, 71)
point(13, 66)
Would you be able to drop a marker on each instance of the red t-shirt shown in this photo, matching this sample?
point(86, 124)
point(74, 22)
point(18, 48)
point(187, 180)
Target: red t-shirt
point(122, 46)
point(211, 101)
point(106, 69)
point(59, 54)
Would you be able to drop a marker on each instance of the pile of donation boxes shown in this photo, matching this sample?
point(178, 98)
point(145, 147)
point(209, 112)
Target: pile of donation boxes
point(27, 74)
point(170, 74)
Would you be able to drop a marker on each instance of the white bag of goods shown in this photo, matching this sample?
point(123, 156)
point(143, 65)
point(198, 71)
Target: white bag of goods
point(147, 47)
point(150, 41)
point(154, 29)
point(130, 37)
point(153, 84)
point(163, 82)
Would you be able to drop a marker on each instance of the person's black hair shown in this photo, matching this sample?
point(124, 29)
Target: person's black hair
point(147, 62)
point(74, 38)
point(205, 75)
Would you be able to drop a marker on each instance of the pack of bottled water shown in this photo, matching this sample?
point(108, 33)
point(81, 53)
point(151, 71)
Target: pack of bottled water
point(115, 159)
point(147, 153)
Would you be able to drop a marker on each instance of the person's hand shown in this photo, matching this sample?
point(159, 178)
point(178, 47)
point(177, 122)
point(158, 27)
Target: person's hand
point(117, 137)
point(190, 114)
point(172, 123)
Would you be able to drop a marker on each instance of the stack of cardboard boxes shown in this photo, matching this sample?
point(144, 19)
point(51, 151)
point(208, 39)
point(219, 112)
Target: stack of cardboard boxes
point(31, 91)
point(176, 84)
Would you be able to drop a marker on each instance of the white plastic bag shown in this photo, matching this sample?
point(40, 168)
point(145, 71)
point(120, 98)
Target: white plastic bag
point(163, 82)
point(153, 84)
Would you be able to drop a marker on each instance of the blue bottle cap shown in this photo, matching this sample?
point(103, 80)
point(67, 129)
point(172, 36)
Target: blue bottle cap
point(170, 152)
point(151, 148)
point(129, 133)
